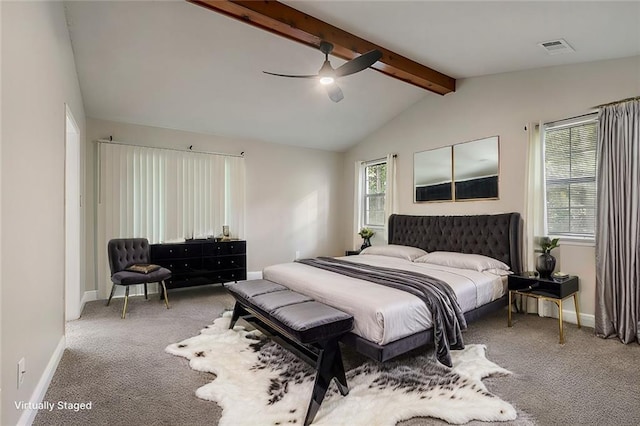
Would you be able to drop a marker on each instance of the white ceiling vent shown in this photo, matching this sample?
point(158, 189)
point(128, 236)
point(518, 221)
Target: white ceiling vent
point(555, 47)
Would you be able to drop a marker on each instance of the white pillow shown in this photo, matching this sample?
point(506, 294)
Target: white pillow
point(476, 262)
point(394, 250)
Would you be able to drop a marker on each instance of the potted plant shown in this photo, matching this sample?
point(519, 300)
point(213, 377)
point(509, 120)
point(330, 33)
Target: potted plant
point(546, 263)
point(366, 235)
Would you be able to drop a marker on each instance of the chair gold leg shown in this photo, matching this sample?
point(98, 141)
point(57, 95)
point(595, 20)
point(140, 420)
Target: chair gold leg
point(113, 288)
point(166, 296)
point(126, 299)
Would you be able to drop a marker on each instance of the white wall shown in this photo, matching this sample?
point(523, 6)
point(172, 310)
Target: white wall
point(38, 78)
point(500, 104)
point(293, 193)
point(1, 98)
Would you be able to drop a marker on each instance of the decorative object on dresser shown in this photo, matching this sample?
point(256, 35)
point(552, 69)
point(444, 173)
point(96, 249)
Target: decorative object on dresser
point(252, 371)
point(129, 261)
point(554, 289)
point(200, 262)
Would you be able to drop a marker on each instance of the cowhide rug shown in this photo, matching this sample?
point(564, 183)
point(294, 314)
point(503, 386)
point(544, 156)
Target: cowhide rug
point(259, 383)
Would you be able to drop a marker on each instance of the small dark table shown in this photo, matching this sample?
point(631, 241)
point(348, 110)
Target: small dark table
point(553, 290)
point(351, 252)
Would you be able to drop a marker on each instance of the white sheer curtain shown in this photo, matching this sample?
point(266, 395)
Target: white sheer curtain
point(534, 200)
point(235, 196)
point(358, 184)
point(391, 195)
point(534, 195)
point(164, 195)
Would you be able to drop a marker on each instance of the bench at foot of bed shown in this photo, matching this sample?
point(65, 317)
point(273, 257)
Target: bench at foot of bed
point(309, 329)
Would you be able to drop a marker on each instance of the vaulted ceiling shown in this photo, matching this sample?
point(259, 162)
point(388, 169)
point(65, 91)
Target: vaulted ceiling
point(178, 65)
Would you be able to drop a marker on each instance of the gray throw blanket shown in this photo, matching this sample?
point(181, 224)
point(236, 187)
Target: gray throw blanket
point(448, 319)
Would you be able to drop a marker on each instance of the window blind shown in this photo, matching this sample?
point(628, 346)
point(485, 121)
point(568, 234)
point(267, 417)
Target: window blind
point(375, 182)
point(570, 177)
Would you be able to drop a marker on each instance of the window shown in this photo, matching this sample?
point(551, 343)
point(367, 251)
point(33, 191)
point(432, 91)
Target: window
point(375, 186)
point(570, 177)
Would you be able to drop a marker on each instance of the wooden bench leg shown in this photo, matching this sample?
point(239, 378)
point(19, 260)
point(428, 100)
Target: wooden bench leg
point(238, 310)
point(339, 374)
point(329, 365)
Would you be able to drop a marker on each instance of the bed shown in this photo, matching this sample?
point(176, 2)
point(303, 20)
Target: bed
point(389, 322)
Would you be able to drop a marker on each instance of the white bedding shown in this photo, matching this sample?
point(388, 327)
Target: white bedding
point(383, 314)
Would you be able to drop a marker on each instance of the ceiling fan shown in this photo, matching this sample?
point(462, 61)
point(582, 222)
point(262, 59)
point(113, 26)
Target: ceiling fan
point(328, 75)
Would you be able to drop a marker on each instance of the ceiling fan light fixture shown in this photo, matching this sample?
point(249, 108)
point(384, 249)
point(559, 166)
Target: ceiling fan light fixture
point(326, 80)
point(327, 75)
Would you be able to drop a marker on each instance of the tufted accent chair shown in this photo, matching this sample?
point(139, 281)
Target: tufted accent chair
point(124, 252)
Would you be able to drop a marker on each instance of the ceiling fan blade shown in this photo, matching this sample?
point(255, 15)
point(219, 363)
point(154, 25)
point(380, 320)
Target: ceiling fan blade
point(334, 92)
point(358, 64)
point(291, 76)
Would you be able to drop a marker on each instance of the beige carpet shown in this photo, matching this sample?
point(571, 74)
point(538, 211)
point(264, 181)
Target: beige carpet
point(121, 368)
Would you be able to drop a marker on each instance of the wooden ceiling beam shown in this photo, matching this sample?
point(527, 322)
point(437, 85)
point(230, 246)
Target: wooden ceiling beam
point(288, 22)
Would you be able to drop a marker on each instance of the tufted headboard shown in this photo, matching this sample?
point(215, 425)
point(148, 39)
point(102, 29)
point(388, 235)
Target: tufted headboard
point(498, 235)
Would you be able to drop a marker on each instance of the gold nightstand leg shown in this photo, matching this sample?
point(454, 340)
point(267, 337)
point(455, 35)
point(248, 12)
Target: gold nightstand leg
point(559, 303)
point(575, 303)
point(509, 315)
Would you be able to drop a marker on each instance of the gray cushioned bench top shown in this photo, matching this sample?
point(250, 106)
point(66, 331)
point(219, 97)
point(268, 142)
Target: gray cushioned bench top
point(300, 316)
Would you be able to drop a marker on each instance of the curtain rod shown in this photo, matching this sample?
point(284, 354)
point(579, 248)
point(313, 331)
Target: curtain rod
point(571, 121)
point(112, 142)
point(635, 98)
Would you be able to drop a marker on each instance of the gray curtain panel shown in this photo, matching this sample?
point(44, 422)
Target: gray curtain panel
point(618, 219)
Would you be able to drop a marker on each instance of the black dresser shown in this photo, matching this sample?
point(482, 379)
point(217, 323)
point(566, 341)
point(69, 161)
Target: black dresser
point(200, 262)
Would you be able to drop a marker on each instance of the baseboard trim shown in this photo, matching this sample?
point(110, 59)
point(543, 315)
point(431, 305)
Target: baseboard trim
point(587, 320)
point(550, 310)
point(29, 415)
point(88, 296)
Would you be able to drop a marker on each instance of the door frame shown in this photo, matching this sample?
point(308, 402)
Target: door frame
point(72, 218)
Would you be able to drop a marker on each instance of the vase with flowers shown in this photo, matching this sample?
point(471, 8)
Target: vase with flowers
point(366, 234)
point(546, 263)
